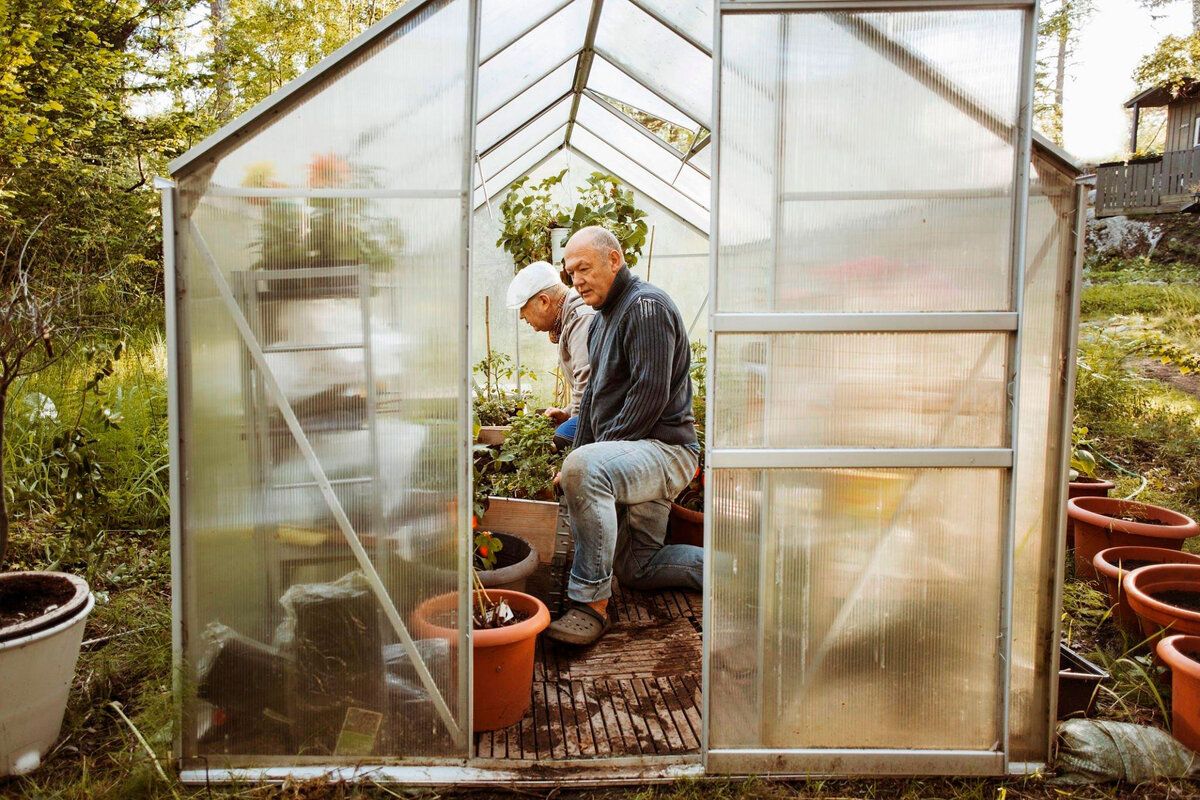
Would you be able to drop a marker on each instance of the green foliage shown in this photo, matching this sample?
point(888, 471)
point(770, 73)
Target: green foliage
point(1173, 63)
point(692, 496)
point(486, 547)
point(527, 461)
point(528, 210)
point(494, 403)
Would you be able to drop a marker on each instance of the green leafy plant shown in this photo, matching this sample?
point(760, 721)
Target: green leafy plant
point(486, 547)
point(529, 210)
point(526, 462)
point(494, 403)
point(692, 496)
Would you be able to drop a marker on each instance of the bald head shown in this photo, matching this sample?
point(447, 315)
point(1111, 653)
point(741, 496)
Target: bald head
point(592, 259)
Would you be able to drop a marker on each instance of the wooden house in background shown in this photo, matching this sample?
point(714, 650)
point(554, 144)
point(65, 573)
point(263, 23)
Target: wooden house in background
point(1164, 184)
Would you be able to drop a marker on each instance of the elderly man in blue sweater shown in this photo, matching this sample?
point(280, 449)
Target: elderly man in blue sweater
point(635, 446)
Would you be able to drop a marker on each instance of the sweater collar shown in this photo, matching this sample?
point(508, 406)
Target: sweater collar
point(621, 284)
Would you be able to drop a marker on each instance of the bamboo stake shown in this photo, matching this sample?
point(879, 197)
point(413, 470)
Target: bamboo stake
point(650, 254)
point(487, 331)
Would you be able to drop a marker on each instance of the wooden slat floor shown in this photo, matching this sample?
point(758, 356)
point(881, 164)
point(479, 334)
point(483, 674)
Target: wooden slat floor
point(636, 692)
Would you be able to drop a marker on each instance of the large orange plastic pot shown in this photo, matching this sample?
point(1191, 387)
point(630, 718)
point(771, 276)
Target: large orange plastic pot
point(1182, 655)
point(1145, 590)
point(1097, 528)
point(1085, 487)
point(503, 672)
point(1113, 563)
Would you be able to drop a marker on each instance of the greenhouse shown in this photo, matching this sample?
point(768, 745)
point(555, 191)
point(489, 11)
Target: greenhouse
point(879, 262)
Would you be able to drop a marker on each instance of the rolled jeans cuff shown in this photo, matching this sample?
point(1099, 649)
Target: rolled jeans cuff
point(585, 591)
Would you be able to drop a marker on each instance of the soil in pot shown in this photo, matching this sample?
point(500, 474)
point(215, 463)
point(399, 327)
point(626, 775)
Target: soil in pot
point(33, 601)
point(1181, 599)
point(1150, 592)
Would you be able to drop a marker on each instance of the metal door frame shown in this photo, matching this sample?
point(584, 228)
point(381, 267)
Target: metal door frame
point(844, 761)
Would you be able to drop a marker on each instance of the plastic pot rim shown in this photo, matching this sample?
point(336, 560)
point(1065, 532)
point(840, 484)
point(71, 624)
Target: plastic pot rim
point(1127, 552)
point(67, 611)
point(1142, 599)
point(1177, 652)
point(1089, 510)
point(45, 633)
point(538, 621)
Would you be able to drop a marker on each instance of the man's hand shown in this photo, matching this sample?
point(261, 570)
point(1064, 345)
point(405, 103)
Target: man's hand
point(557, 415)
point(557, 479)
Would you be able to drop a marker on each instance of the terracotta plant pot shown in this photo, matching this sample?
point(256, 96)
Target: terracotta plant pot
point(515, 562)
point(1182, 655)
point(503, 673)
point(493, 434)
point(1085, 487)
point(1098, 528)
point(1157, 593)
point(1113, 563)
point(685, 526)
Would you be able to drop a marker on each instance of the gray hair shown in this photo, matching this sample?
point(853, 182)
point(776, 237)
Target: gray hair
point(601, 240)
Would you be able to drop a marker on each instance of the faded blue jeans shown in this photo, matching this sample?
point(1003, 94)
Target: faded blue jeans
point(619, 495)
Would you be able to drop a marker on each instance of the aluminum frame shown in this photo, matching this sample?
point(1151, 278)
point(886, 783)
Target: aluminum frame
point(860, 457)
point(867, 322)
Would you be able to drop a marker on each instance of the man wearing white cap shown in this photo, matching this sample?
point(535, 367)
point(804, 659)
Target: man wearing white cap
point(548, 305)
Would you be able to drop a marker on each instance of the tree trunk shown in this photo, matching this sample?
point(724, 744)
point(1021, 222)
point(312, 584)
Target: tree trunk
point(1195, 16)
point(1060, 80)
point(222, 94)
point(3, 501)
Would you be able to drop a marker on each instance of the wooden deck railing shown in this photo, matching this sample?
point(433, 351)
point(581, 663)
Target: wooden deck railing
point(1143, 187)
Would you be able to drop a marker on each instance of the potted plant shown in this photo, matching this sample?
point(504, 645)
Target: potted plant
point(505, 626)
point(514, 483)
point(534, 224)
point(495, 405)
point(1114, 563)
point(1182, 655)
point(42, 614)
point(1083, 481)
point(1102, 522)
point(504, 560)
point(685, 525)
point(1165, 597)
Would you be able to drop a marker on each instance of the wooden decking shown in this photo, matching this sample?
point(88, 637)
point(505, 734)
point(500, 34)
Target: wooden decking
point(636, 692)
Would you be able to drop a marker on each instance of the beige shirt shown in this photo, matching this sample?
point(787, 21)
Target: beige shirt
point(573, 348)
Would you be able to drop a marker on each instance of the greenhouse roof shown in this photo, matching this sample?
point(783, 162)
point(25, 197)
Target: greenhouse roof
point(627, 83)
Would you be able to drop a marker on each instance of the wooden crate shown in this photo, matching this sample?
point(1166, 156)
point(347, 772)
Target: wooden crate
point(534, 520)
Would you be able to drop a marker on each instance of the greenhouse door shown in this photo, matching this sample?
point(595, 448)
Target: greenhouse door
point(868, 247)
point(321, 412)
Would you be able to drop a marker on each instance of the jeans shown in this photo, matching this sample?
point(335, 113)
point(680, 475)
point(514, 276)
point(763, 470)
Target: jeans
point(619, 495)
point(564, 434)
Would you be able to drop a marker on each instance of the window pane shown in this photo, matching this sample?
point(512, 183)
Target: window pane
point(522, 108)
point(533, 55)
point(627, 139)
point(903, 202)
point(608, 80)
point(526, 138)
point(694, 17)
point(861, 390)
point(658, 57)
point(856, 608)
point(498, 23)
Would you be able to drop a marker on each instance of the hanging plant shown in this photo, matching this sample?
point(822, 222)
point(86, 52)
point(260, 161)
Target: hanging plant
point(529, 211)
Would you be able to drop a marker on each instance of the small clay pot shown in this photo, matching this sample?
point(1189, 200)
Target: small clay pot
point(516, 560)
point(503, 668)
point(1085, 487)
point(1111, 565)
point(1144, 590)
point(685, 526)
point(1182, 655)
point(1097, 528)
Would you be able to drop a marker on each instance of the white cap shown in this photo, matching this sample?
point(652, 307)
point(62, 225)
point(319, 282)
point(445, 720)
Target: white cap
point(537, 277)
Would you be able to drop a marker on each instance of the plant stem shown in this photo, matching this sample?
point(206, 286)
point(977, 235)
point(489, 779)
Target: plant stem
point(487, 332)
point(3, 500)
point(650, 254)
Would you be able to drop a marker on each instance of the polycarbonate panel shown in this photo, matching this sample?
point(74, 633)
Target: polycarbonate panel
point(608, 80)
point(855, 608)
point(1040, 461)
point(526, 60)
point(352, 304)
point(525, 138)
point(695, 185)
point(500, 24)
point(657, 57)
point(702, 160)
point(630, 171)
point(860, 390)
point(630, 141)
point(898, 196)
point(694, 17)
point(498, 184)
point(523, 108)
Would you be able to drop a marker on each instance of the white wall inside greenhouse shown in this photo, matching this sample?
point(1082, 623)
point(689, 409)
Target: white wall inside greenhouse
point(678, 263)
